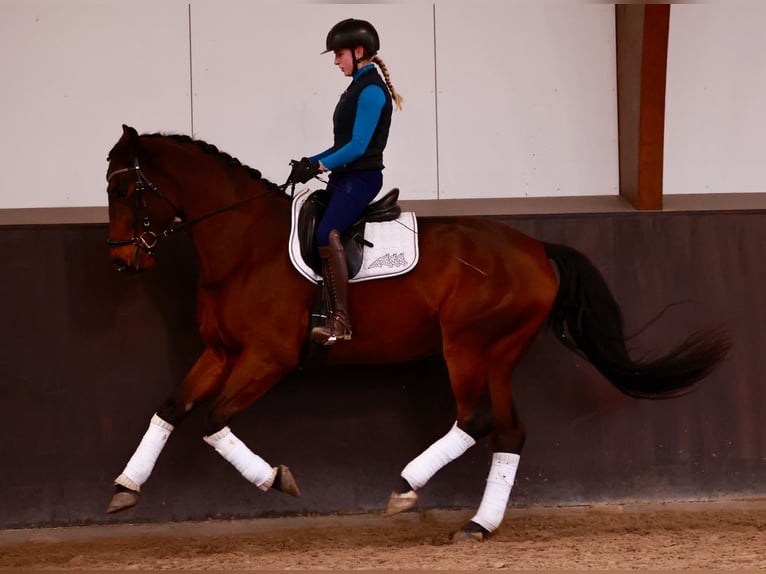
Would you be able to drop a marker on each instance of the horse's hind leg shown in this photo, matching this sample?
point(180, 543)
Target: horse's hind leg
point(502, 474)
point(202, 381)
point(507, 442)
point(468, 378)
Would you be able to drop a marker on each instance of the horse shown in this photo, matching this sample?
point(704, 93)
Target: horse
point(480, 293)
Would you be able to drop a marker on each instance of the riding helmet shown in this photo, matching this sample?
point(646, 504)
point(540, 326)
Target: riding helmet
point(352, 32)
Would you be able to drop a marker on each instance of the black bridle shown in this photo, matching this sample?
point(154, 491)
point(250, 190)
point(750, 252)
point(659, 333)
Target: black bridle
point(144, 238)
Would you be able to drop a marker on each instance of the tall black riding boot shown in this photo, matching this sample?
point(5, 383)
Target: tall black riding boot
point(335, 271)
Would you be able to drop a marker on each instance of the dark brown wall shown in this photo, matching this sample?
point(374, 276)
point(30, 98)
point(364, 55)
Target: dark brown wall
point(87, 355)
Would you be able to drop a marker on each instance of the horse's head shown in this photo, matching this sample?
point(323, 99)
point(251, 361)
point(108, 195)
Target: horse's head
point(139, 214)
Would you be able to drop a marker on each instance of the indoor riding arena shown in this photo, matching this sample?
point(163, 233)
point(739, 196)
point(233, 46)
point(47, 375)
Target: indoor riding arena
point(633, 133)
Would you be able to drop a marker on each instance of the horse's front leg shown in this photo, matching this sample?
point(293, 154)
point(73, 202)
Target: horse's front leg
point(203, 381)
point(253, 374)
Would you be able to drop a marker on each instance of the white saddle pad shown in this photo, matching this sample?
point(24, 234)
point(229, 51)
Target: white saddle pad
point(394, 251)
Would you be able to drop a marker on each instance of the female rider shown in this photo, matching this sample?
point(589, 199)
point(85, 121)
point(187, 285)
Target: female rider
point(355, 161)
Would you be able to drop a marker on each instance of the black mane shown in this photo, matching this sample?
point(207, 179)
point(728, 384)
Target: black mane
point(210, 149)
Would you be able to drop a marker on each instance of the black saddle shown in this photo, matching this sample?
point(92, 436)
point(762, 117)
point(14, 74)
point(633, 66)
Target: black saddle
point(385, 209)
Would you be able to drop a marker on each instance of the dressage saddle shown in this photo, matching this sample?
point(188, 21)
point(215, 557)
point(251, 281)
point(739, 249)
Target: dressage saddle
point(385, 209)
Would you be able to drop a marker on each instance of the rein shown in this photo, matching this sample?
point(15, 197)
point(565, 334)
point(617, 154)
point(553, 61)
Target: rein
point(147, 240)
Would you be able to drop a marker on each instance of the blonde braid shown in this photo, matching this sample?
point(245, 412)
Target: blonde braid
point(398, 100)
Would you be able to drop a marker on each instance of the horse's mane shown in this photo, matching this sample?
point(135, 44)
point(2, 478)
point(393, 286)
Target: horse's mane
point(210, 149)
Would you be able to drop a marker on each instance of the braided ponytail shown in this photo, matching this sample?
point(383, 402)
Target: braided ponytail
point(387, 77)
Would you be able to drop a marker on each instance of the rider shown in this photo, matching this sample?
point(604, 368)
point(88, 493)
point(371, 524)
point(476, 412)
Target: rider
point(360, 123)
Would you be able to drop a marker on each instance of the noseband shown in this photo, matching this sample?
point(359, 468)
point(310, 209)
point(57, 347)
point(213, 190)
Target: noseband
point(145, 239)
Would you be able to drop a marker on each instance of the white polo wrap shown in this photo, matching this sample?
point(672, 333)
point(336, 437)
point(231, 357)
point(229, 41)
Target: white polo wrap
point(443, 451)
point(249, 464)
point(142, 462)
point(499, 483)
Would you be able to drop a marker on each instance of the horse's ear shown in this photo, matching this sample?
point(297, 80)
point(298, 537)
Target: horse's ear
point(129, 140)
point(129, 132)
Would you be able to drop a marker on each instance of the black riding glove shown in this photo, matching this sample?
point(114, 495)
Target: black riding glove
point(303, 170)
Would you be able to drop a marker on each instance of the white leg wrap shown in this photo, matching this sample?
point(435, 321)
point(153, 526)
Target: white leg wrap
point(142, 462)
point(498, 490)
point(249, 464)
point(445, 450)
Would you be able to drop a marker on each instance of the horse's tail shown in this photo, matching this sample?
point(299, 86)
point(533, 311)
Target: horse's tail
point(586, 318)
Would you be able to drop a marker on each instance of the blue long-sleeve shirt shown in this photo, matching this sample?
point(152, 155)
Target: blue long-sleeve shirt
point(369, 106)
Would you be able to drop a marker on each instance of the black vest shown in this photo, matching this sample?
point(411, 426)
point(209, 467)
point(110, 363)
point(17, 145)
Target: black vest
point(343, 123)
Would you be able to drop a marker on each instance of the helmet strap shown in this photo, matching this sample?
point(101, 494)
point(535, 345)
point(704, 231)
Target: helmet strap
point(353, 59)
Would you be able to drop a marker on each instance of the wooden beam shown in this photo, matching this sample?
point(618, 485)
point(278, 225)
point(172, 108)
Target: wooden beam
point(642, 53)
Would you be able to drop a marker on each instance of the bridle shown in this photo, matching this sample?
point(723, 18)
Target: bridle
point(145, 239)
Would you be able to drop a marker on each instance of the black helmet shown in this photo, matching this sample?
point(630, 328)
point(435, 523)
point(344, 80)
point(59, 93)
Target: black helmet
point(352, 32)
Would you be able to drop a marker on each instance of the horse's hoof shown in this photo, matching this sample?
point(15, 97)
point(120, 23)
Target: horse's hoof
point(461, 536)
point(471, 532)
point(122, 500)
point(400, 502)
point(285, 482)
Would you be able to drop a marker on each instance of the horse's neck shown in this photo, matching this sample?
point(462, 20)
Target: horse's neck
point(234, 220)
point(240, 227)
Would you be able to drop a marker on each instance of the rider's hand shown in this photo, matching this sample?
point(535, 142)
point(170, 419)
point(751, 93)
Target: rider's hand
point(303, 170)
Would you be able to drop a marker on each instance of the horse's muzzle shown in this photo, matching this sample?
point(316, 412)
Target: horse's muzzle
point(130, 259)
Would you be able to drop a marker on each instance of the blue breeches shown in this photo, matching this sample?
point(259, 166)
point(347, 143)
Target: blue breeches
point(350, 194)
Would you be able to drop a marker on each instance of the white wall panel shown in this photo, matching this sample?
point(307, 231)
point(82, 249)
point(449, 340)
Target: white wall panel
point(715, 118)
point(526, 99)
point(72, 73)
point(263, 92)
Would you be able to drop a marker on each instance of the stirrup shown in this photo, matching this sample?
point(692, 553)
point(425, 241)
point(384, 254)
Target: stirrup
point(327, 335)
point(325, 339)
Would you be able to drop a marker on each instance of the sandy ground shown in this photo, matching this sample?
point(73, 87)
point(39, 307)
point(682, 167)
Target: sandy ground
point(714, 535)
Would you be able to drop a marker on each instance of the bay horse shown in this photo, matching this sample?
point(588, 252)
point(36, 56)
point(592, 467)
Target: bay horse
point(480, 293)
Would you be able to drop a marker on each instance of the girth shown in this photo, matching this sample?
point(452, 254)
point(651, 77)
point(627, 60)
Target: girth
point(385, 209)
